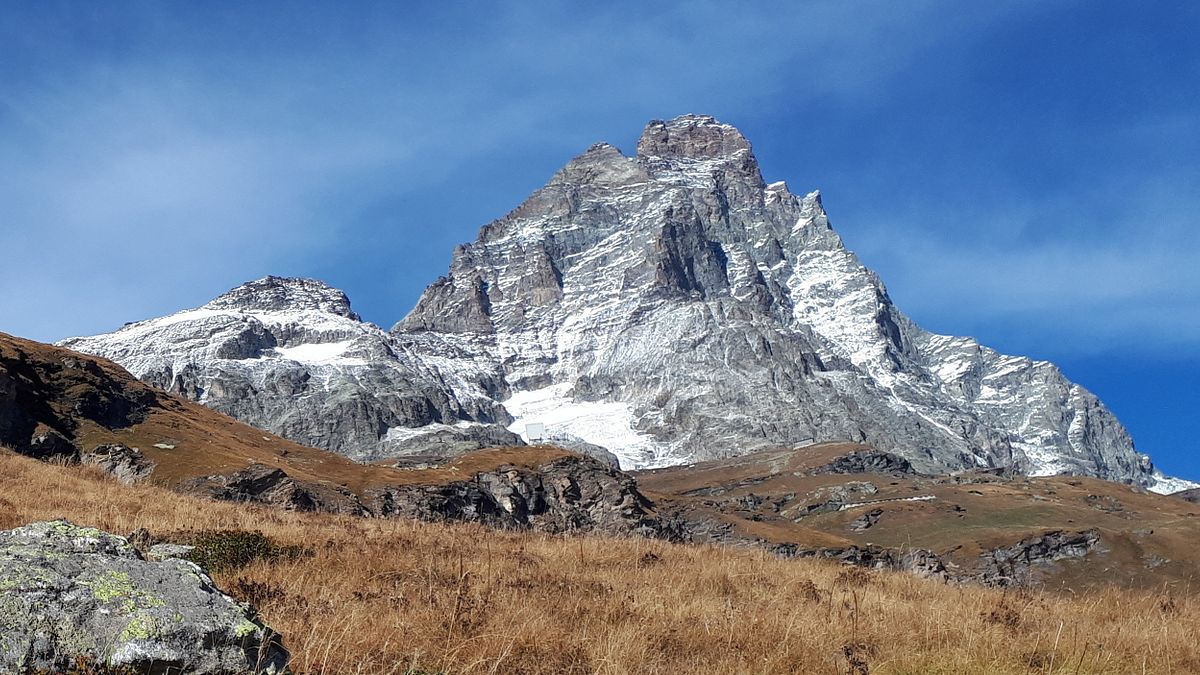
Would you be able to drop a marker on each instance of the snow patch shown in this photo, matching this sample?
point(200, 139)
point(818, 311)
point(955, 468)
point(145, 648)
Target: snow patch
point(1165, 485)
point(315, 353)
point(397, 435)
point(609, 424)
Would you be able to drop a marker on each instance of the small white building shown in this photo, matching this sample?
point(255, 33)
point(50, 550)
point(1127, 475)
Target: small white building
point(535, 431)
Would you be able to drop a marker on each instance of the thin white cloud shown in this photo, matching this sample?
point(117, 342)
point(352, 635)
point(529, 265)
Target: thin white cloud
point(137, 186)
point(1095, 272)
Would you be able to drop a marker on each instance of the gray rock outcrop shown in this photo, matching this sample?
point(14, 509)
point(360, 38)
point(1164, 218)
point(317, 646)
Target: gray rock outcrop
point(569, 494)
point(75, 594)
point(128, 465)
point(1017, 563)
point(272, 486)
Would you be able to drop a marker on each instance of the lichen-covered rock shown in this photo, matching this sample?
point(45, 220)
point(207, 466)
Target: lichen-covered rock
point(70, 594)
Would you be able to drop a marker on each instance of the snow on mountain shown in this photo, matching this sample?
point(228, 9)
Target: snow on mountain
point(289, 356)
point(670, 306)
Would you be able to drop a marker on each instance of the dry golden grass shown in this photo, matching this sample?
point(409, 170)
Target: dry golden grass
point(381, 596)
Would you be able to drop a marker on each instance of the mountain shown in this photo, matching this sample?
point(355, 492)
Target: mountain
point(671, 307)
point(290, 356)
point(60, 406)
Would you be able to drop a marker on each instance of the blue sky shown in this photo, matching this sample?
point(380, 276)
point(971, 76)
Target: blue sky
point(1023, 172)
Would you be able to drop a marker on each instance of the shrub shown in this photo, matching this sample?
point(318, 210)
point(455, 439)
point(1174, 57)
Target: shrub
point(231, 550)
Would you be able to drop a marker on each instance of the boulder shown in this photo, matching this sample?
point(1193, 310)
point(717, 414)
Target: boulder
point(128, 465)
point(73, 595)
point(868, 461)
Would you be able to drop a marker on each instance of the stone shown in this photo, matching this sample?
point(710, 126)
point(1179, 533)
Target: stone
point(128, 465)
point(272, 486)
point(1017, 564)
point(76, 594)
point(570, 494)
point(167, 551)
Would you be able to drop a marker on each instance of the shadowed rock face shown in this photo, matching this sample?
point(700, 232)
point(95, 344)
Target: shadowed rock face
point(73, 594)
point(570, 494)
point(46, 397)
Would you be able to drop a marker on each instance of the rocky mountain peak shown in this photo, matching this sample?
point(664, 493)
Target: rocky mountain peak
point(670, 307)
point(601, 165)
point(274, 294)
point(691, 137)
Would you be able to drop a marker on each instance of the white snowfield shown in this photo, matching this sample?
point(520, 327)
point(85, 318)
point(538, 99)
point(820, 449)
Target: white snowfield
point(670, 306)
point(609, 424)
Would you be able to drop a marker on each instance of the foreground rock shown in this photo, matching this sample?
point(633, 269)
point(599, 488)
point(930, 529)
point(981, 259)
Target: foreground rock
point(75, 595)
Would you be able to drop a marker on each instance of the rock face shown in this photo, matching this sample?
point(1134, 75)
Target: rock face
point(569, 494)
point(46, 398)
point(671, 306)
point(291, 357)
point(75, 594)
point(1015, 564)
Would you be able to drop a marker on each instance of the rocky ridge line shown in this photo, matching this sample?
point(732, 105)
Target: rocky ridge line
point(669, 307)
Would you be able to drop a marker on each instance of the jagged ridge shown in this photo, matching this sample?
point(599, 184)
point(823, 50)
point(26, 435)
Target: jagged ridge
point(670, 306)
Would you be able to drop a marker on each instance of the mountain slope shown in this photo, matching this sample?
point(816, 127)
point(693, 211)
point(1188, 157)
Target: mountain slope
point(291, 357)
point(671, 307)
point(711, 314)
point(63, 406)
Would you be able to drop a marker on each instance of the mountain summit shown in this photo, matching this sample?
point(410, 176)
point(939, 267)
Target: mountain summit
point(671, 307)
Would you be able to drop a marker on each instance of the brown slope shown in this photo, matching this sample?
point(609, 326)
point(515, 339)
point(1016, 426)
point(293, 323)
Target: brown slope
point(383, 597)
point(784, 499)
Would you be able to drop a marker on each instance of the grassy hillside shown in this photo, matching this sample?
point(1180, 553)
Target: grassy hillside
point(1145, 540)
point(390, 596)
